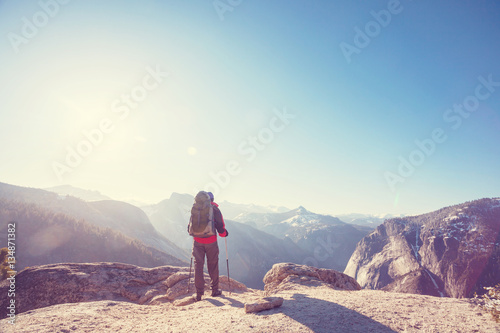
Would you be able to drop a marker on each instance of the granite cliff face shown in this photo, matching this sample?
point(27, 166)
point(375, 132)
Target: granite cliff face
point(454, 252)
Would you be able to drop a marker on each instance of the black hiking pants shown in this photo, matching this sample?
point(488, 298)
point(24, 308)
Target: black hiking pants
point(212, 253)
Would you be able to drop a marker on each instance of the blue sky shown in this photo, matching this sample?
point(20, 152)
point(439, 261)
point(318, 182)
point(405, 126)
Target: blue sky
point(261, 106)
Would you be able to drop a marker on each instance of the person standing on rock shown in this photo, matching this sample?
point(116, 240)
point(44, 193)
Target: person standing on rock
point(205, 222)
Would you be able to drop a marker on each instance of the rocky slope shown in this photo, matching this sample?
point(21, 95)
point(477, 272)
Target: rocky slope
point(454, 251)
point(310, 305)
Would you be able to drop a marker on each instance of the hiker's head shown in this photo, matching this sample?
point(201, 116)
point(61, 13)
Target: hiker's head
point(211, 195)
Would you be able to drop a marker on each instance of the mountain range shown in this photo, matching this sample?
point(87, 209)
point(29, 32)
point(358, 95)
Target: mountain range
point(328, 240)
point(260, 236)
point(452, 252)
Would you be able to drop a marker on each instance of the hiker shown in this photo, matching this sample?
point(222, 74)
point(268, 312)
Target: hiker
point(205, 220)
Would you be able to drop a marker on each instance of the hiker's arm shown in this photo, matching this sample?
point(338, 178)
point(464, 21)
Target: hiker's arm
point(219, 223)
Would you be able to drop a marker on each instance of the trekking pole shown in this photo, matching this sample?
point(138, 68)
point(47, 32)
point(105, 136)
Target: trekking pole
point(227, 263)
point(189, 278)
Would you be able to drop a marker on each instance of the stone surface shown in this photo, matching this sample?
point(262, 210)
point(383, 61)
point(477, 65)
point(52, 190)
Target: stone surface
point(47, 285)
point(179, 289)
point(266, 303)
point(285, 275)
point(304, 309)
point(176, 277)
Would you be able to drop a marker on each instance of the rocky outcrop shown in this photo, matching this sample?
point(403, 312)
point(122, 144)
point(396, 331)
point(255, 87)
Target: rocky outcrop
point(285, 276)
point(450, 252)
point(42, 286)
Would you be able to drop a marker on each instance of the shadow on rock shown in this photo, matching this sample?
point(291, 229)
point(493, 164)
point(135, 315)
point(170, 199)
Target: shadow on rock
point(324, 316)
point(234, 303)
point(213, 301)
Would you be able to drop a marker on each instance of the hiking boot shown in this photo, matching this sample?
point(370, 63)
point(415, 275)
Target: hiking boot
point(216, 292)
point(197, 297)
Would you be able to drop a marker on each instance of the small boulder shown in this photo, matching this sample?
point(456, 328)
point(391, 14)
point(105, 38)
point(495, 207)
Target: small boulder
point(266, 303)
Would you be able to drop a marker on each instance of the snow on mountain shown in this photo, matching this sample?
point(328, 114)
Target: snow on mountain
point(299, 217)
point(329, 240)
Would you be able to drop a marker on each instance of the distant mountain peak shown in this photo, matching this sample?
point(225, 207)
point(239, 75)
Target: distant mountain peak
point(302, 210)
